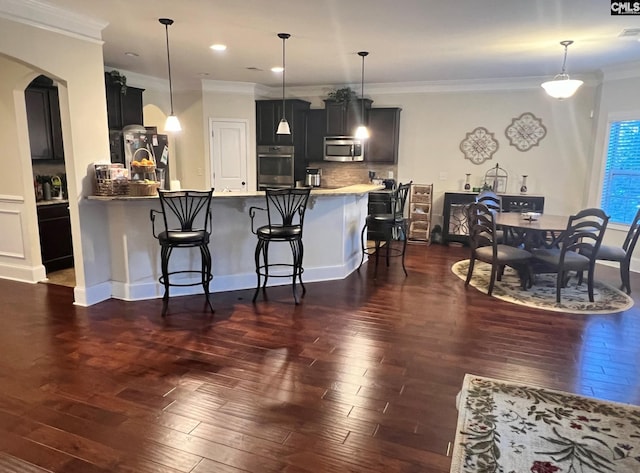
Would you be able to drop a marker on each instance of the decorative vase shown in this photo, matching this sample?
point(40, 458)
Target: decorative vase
point(467, 184)
point(523, 187)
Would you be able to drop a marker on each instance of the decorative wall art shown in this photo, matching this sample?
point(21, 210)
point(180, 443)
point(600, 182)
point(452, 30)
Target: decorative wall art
point(525, 132)
point(479, 145)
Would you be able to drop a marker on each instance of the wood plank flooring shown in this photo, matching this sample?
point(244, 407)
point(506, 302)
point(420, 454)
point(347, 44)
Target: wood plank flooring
point(361, 377)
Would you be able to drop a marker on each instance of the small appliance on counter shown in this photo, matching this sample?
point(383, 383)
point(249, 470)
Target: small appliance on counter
point(312, 177)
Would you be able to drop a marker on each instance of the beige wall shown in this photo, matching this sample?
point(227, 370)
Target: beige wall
point(77, 65)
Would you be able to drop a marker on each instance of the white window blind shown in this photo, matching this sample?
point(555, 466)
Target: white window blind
point(621, 186)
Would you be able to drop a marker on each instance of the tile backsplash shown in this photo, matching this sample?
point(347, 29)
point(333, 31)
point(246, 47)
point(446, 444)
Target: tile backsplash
point(345, 174)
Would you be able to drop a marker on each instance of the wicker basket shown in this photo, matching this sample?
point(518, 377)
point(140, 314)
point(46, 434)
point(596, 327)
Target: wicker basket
point(142, 168)
point(111, 187)
point(143, 189)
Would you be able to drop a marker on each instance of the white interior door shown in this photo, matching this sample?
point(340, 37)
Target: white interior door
point(228, 154)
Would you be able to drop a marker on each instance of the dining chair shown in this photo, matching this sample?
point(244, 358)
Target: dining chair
point(576, 250)
point(484, 246)
point(621, 255)
point(285, 209)
point(186, 218)
point(494, 203)
point(386, 228)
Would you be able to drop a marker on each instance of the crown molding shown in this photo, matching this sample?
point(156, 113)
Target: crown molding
point(241, 88)
point(51, 18)
point(142, 81)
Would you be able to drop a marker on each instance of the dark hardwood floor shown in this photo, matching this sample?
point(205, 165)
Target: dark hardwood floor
point(361, 377)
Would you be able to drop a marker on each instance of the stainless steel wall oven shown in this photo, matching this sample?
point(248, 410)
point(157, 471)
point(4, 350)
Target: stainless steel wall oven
point(275, 166)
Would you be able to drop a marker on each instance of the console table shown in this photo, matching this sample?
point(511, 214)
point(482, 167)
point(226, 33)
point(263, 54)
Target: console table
point(454, 223)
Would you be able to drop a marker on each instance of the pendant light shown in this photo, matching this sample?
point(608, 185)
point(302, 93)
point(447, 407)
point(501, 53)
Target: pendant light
point(362, 132)
point(283, 126)
point(561, 87)
point(172, 123)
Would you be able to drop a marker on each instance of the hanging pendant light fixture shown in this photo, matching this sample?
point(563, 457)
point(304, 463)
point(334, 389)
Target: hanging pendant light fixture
point(362, 132)
point(283, 126)
point(561, 87)
point(172, 123)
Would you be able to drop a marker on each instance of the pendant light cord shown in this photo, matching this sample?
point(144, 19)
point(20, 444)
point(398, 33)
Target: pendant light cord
point(362, 54)
point(284, 37)
point(166, 29)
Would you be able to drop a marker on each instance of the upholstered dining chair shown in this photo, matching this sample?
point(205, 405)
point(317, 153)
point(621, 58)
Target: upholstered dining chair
point(621, 255)
point(484, 246)
point(576, 250)
point(186, 218)
point(494, 203)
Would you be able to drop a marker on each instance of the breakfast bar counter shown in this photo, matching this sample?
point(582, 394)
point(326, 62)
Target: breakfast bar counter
point(332, 226)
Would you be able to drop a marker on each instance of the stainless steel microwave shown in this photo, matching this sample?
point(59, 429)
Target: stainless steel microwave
point(343, 148)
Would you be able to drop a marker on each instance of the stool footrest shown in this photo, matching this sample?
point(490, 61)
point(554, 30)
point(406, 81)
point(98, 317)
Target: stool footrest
point(196, 283)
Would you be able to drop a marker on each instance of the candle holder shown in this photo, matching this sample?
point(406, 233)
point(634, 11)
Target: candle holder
point(523, 187)
point(467, 183)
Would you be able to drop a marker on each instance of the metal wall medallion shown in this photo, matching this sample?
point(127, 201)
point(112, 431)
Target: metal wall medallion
point(525, 132)
point(479, 145)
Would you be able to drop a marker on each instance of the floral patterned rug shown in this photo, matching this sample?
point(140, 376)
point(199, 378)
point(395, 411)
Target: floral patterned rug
point(513, 428)
point(575, 299)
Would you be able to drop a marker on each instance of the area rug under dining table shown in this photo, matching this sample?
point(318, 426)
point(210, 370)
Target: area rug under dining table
point(575, 298)
point(506, 427)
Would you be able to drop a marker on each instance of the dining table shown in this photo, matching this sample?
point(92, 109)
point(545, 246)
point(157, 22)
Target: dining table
point(541, 230)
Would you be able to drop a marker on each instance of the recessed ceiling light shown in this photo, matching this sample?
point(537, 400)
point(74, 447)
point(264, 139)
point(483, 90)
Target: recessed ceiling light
point(252, 68)
point(130, 53)
point(277, 69)
point(203, 74)
point(218, 47)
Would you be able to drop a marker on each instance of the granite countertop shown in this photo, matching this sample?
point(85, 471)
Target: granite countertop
point(316, 191)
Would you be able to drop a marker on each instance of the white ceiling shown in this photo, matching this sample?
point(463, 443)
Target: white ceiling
point(408, 40)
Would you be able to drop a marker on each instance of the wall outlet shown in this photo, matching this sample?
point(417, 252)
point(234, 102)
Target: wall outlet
point(390, 174)
point(444, 176)
point(199, 171)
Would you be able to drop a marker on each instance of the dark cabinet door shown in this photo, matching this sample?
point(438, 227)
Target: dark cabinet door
point(384, 134)
point(123, 108)
point(342, 118)
point(43, 119)
point(55, 236)
point(268, 115)
point(316, 120)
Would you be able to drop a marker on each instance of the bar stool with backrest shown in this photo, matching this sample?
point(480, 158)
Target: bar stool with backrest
point(186, 216)
point(285, 209)
point(386, 228)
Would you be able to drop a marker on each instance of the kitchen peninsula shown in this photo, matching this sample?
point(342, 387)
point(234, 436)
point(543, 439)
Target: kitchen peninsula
point(332, 248)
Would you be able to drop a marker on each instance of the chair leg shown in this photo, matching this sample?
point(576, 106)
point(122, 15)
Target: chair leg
point(206, 272)
point(472, 262)
point(165, 253)
point(404, 250)
point(300, 258)
point(492, 282)
point(624, 276)
point(375, 272)
point(257, 258)
point(590, 282)
point(364, 247)
point(296, 268)
point(389, 239)
point(559, 281)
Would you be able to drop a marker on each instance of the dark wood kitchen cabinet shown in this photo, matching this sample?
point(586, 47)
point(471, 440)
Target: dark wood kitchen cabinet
point(43, 120)
point(342, 118)
point(268, 115)
point(384, 134)
point(122, 108)
point(55, 236)
point(316, 119)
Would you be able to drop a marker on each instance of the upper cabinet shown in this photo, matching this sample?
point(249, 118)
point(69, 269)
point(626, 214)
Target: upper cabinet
point(342, 118)
point(124, 105)
point(384, 134)
point(316, 123)
point(43, 118)
point(268, 116)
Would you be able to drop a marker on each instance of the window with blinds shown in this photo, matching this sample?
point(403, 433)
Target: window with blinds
point(621, 186)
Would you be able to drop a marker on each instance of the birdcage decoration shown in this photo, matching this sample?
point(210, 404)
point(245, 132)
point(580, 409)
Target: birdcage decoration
point(496, 179)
